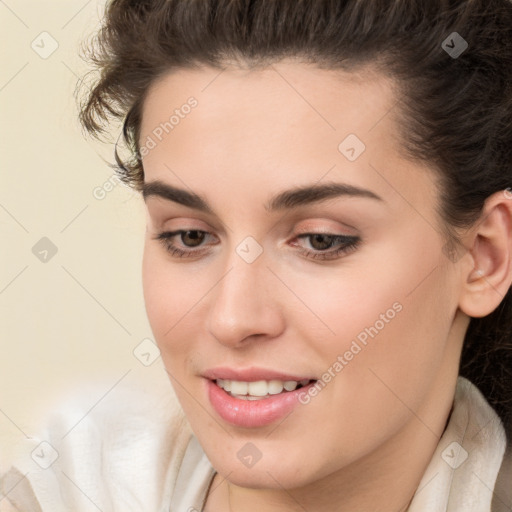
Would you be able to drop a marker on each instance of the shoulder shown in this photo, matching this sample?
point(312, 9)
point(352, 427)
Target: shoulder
point(120, 451)
point(487, 447)
point(462, 474)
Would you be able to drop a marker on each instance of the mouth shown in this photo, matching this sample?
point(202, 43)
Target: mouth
point(255, 403)
point(260, 389)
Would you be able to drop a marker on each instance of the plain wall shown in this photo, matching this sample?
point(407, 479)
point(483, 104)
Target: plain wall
point(73, 320)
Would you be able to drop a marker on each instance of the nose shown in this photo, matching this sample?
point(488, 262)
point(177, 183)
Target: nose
point(245, 305)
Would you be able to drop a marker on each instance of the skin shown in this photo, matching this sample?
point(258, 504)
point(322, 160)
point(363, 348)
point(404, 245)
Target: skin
point(363, 443)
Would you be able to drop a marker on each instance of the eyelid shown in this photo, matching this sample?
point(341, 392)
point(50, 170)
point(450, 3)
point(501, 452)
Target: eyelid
point(313, 227)
point(165, 222)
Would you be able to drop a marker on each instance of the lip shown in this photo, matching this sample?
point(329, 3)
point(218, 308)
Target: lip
point(251, 374)
point(252, 413)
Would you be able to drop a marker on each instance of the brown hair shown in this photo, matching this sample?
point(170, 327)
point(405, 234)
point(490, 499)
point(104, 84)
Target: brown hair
point(456, 109)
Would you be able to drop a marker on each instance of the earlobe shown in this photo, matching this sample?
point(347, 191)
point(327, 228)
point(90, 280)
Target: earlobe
point(489, 277)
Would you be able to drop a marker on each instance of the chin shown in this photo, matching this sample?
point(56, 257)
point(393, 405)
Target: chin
point(277, 468)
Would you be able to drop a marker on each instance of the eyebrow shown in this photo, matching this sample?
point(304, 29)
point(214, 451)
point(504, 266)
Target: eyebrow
point(288, 199)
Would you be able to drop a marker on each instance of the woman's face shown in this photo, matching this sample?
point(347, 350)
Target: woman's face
point(278, 281)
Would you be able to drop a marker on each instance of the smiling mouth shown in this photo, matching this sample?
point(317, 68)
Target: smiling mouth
point(261, 389)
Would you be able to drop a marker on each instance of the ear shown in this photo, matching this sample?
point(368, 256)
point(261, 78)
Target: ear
point(488, 273)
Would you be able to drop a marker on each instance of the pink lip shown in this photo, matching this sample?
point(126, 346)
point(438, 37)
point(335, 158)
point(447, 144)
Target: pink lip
point(252, 413)
point(252, 374)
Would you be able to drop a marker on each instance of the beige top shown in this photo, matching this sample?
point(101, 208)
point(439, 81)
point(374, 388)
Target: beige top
point(140, 456)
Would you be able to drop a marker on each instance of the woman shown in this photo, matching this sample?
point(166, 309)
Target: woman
point(327, 263)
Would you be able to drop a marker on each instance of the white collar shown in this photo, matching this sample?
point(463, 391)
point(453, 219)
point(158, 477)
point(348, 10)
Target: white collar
point(462, 473)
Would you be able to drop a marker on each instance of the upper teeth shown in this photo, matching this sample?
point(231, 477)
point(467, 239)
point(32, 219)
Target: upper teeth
point(259, 387)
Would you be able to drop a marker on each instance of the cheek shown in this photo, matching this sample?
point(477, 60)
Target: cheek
point(380, 323)
point(156, 293)
point(360, 301)
point(165, 295)
point(174, 299)
point(399, 363)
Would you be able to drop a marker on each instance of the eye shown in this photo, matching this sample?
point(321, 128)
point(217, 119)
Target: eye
point(190, 238)
point(328, 246)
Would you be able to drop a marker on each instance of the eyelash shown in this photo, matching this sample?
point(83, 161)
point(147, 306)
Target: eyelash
point(348, 244)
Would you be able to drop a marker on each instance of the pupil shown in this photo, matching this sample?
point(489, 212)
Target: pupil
point(325, 245)
point(195, 236)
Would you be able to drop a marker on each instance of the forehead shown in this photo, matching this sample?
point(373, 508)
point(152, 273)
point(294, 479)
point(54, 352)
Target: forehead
point(274, 97)
point(261, 111)
point(265, 128)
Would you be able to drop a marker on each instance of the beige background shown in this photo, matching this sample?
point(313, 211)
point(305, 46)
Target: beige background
point(75, 319)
